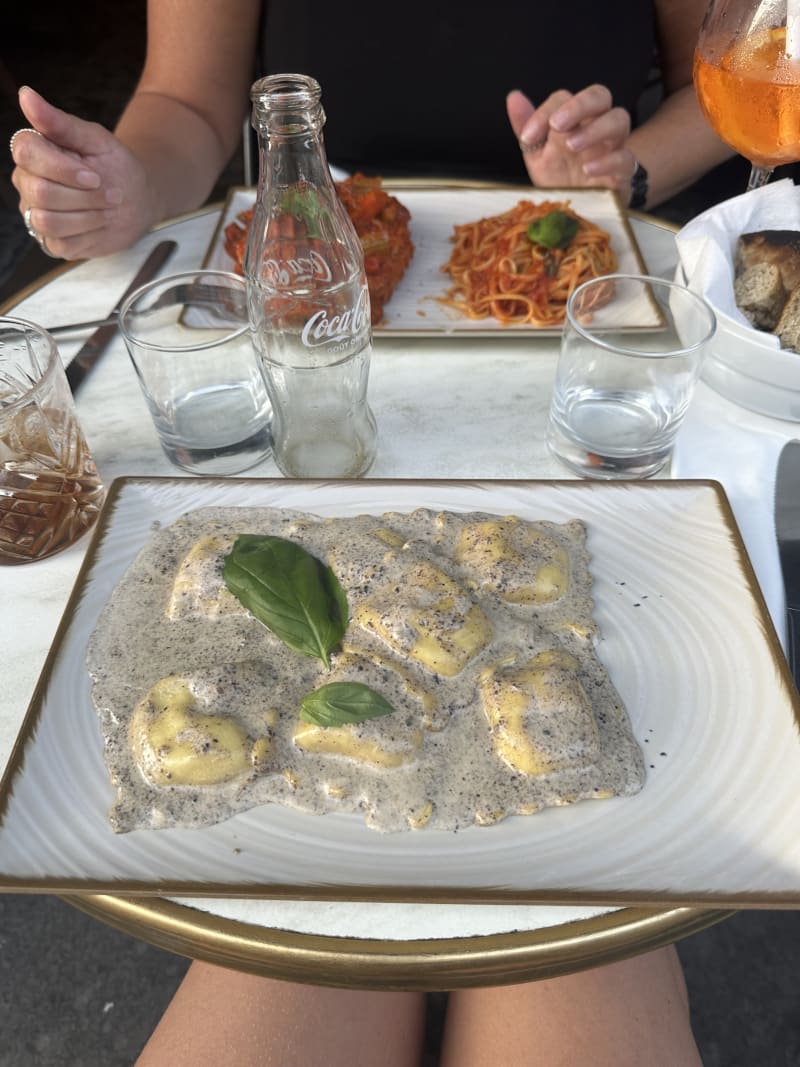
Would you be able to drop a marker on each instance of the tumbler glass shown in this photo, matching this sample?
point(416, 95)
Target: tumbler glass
point(190, 343)
point(50, 493)
point(631, 351)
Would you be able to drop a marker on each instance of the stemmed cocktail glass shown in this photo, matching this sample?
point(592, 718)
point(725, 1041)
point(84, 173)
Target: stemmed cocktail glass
point(747, 79)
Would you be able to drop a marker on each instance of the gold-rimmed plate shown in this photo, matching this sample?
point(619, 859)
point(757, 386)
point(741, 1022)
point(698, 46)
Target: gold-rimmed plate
point(414, 310)
point(686, 638)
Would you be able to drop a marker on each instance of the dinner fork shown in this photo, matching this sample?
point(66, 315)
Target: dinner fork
point(218, 297)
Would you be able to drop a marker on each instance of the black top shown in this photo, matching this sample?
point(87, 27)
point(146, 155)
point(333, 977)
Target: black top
point(409, 90)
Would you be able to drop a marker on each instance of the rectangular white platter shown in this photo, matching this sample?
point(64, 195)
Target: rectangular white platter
point(685, 636)
point(413, 310)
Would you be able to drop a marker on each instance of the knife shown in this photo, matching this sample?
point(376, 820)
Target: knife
point(94, 346)
point(787, 530)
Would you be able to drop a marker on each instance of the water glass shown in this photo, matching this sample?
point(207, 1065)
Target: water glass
point(50, 493)
point(190, 343)
point(631, 351)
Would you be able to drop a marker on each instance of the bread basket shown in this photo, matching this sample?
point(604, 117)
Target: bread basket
point(745, 365)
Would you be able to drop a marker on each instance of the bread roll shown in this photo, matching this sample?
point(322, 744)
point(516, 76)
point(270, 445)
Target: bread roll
point(767, 282)
point(779, 247)
point(760, 294)
point(788, 327)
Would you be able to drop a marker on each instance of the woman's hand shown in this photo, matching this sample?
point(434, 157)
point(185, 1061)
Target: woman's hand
point(574, 139)
point(81, 191)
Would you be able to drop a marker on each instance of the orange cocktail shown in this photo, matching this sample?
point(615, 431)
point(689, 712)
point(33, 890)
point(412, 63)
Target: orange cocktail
point(751, 96)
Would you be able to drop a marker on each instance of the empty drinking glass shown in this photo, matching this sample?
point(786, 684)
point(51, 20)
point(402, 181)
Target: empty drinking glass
point(631, 351)
point(190, 342)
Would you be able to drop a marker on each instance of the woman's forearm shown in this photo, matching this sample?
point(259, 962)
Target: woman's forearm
point(181, 152)
point(184, 121)
point(676, 145)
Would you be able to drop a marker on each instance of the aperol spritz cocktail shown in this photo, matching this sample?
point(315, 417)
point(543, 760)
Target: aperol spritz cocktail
point(747, 79)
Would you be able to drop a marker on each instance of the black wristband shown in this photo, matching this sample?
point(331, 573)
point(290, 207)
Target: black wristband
point(638, 188)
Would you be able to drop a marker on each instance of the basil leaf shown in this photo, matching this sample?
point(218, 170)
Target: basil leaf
point(304, 203)
point(554, 230)
point(292, 592)
point(338, 703)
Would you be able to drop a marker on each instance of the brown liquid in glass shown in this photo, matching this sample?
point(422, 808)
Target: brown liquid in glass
point(50, 493)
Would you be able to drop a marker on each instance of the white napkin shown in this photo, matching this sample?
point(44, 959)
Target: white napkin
point(707, 244)
point(740, 449)
point(720, 439)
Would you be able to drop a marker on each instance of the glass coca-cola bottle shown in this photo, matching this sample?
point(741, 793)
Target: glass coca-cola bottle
point(307, 291)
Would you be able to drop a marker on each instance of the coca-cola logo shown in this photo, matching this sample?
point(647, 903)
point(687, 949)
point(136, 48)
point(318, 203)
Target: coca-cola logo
point(322, 329)
point(284, 272)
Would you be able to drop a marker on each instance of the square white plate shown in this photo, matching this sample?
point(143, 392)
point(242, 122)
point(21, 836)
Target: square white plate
point(685, 636)
point(413, 310)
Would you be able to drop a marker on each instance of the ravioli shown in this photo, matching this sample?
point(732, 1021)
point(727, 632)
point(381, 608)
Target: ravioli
point(434, 622)
point(477, 629)
point(175, 742)
point(389, 741)
point(519, 562)
point(541, 716)
point(197, 589)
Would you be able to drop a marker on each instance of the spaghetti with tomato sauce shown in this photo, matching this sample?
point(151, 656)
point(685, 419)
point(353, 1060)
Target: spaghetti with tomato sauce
point(499, 271)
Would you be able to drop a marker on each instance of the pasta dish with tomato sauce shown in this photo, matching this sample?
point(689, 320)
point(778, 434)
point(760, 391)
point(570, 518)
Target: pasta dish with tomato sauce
point(522, 265)
point(382, 225)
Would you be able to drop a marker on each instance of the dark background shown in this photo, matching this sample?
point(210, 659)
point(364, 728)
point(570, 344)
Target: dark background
point(75, 992)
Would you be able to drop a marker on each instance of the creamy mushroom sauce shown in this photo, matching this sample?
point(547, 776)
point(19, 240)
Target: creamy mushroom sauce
point(477, 628)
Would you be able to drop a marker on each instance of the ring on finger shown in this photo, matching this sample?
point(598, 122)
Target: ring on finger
point(533, 147)
point(26, 215)
point(15, 135)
